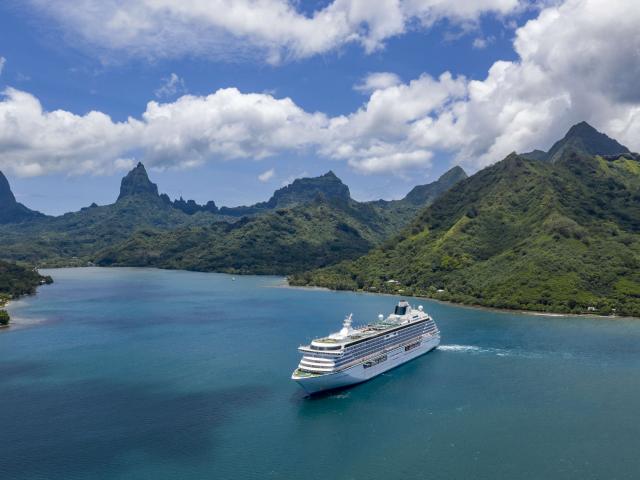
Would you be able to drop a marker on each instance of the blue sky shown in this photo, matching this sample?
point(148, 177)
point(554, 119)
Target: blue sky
point(54, 61)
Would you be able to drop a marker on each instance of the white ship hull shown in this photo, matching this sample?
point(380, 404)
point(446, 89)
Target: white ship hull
point(359, 374)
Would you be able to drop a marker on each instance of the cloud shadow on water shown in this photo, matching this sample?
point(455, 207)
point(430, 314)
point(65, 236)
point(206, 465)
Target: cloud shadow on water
point(88, 427)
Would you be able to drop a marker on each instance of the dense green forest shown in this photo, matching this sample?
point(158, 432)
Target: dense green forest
point(559, 233)
point(311, 223)
point(551, 231)
point(16, 280)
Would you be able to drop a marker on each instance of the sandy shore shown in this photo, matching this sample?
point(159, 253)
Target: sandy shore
point(17, 321)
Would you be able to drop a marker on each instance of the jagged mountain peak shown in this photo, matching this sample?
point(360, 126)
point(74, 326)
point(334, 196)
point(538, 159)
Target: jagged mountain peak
point(582, 129)
point(581, 138)
point(137, 182)
point(303, 190)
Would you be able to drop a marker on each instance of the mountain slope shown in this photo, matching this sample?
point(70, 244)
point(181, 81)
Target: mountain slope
point(585, 139)
point(10, 210)
point(301, 191)
point(137, 183)
point(320, 225)
point(72, 238)
point(311, 223)
point(581, 138)
point(553, 236)
point(284, 241)
point(424, 195)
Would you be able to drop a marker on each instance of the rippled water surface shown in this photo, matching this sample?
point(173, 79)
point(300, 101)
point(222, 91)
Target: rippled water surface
point(148, 374)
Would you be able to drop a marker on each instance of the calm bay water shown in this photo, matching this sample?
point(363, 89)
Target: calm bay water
point(147, 374)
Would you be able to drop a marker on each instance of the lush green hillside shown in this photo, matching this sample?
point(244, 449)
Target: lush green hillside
point(312, 222)
point(73, 238)
point(553, 236)
point(321, 225)
point(281, 242)
point(402, 212)
point(300, 192)
point(16, 280)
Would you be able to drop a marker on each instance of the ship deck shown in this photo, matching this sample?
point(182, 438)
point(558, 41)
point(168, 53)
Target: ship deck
point(370, 330)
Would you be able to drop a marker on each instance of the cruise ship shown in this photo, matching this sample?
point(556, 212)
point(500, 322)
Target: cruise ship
point(354, 355)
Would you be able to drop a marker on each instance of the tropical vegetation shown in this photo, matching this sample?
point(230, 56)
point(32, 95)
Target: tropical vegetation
point(15, 281)
point(558, 234)
point(311, 223)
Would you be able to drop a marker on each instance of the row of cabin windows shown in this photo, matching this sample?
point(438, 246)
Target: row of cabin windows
point(377, 345)
point(430, 324)
point(367, 348)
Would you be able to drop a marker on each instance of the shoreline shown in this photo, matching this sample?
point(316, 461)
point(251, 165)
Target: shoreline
point(19, 322)
point(535, 313)
point(4, 305)
point(285, 284)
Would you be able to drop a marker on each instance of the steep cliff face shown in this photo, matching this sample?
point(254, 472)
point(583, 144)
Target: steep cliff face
point(137, 183)
point(10, 210)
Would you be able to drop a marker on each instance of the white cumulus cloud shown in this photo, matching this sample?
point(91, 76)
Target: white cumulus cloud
point(232, 29)
point(187, 132)
point(578, 60)
point(377, 81)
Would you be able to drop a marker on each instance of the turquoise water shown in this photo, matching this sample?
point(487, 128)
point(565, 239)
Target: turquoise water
point(148, 374)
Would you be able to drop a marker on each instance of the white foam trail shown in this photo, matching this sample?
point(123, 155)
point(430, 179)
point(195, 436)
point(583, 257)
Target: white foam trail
point(462, 348)
point(500, 352)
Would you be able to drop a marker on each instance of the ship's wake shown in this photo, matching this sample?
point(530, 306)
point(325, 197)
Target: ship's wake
point(462, 348)
point(500, 352)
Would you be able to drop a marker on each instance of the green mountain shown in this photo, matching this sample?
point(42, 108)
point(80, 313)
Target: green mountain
point(137, 184)
point(561, 235)
point(10, 210)
point(319, 225)
point(287, 240)
point(72, 238)
point(311, 223)
point(581, 138)
point(301, 191)
point(423, 195)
